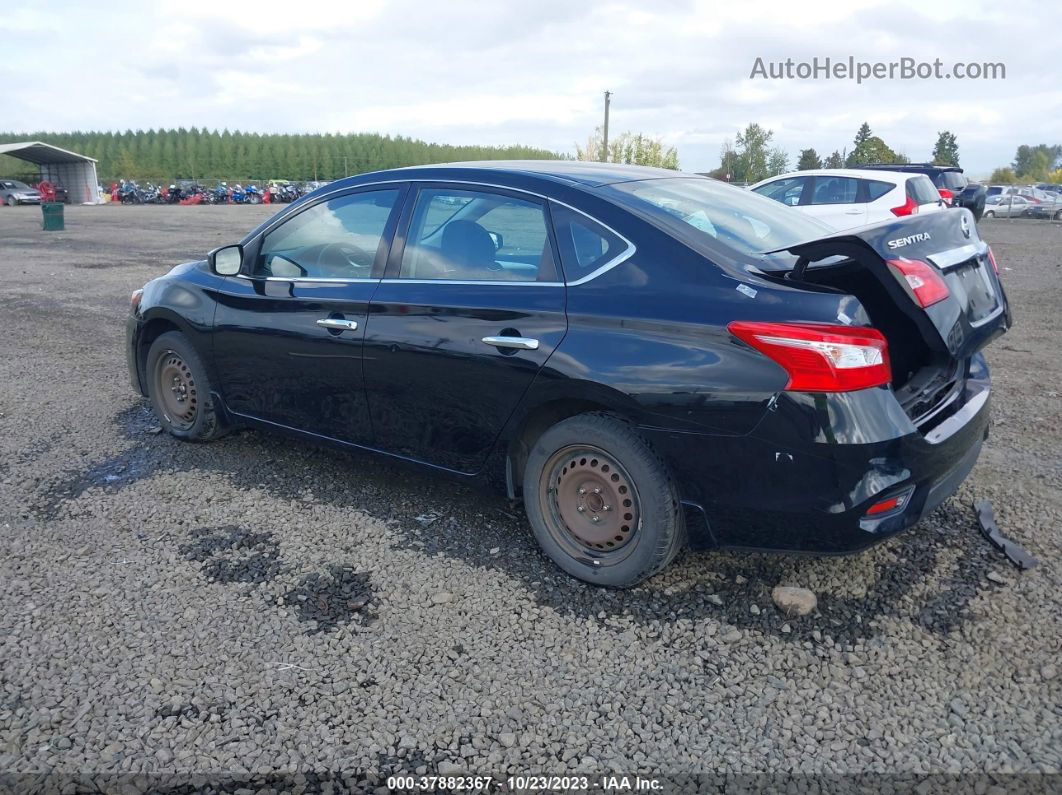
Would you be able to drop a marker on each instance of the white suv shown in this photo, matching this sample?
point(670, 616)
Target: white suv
point(846, 198)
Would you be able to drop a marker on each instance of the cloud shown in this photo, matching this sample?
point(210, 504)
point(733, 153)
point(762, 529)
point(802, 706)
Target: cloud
point(467, 71)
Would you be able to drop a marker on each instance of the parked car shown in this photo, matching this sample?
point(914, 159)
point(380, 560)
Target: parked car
point(13, 192)
point(950, 181)
point(1008, 206)
point(1049, 207)
point(636, 353)
point(846, 198)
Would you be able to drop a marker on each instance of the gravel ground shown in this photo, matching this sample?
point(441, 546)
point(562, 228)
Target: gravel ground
point(264, 608)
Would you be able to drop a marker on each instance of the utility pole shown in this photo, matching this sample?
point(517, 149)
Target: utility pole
point(604, 136)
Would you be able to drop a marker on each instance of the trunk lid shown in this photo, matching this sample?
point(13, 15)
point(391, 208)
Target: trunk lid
point(975, 310)
point(930, 346)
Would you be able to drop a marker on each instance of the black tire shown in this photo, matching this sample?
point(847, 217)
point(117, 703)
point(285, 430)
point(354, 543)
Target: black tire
point(184, 405)
point(990, 214)
point(575, 451)
point(1058, 215)
point(11, 201)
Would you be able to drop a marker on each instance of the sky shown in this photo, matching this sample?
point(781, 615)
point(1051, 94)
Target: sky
point(465, 71)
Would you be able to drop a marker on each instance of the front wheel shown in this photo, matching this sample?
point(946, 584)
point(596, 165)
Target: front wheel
point(11, 201)
point(601, 503)
point(180, 390)
point(990, 214)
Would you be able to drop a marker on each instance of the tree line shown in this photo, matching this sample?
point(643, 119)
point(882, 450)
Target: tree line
point(198, 153)
point(751, 156)
point(1039, 163)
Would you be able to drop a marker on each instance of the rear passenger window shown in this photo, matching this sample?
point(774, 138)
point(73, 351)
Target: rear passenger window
point(835, 190)
point(876, 189)
point(472, 235)
point(584, 244)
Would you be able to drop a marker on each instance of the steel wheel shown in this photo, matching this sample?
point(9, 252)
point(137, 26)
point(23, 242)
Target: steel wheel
point(176, 389)
point(590, 503)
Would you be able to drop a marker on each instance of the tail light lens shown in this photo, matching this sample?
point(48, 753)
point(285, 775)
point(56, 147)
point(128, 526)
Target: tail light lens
point(134, 300)
point(821, 358)
point(992, 259)
point(946, 195)
point(925, 281)
point(909, 207)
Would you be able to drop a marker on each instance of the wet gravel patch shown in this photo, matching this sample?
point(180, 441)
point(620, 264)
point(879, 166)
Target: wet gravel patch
point(256, 610)
point(232, 554)
point(327, 600)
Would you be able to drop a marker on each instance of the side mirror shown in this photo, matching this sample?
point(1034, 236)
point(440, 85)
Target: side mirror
point(227, 260)
point(499, 241)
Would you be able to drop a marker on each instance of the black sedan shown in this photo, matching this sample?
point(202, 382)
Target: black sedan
point(644, 357)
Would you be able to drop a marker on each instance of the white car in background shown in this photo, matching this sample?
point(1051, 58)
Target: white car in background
point(848, 198)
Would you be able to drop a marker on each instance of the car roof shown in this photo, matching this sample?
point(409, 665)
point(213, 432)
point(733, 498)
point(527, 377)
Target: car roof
point(919, 168)
point(569, 172)
point(837, 172)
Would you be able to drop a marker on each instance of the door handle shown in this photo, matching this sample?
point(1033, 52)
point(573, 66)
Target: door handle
point(335, 324)
point(853, 212)
point(521, 343)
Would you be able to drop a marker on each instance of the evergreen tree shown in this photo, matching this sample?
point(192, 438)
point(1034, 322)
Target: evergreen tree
point(946, 150)
point(834, 160)
point(809, 159)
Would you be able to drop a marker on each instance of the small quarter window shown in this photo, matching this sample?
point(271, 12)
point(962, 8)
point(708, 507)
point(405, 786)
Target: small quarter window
point(876, 189)
point(585, 245)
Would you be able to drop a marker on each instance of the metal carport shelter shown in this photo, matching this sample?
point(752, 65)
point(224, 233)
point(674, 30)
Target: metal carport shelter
point(76, 173)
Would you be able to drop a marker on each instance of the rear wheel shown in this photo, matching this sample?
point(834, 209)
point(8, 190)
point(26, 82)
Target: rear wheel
point(179, 389)
point(989, 214)
point(11, 202)
point(601, 503)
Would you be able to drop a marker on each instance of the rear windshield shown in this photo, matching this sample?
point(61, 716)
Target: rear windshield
point(922, 191)
point(698, 211)
point(952, 180)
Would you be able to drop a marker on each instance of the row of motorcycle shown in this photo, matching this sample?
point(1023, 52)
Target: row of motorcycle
point(193, 193)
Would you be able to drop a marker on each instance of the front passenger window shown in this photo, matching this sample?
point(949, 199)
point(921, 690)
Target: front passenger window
point(336, 239)
point(787, 191)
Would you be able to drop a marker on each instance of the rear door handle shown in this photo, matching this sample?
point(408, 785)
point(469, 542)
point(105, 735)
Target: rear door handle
point(335, 324)
point(521, 343)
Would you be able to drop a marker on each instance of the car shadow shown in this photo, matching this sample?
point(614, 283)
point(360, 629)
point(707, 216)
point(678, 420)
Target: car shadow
point(928, 575)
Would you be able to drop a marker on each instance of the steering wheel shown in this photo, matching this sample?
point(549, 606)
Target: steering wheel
point(353, 256)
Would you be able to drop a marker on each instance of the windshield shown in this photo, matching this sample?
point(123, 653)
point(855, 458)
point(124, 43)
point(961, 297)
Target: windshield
point(697, 211)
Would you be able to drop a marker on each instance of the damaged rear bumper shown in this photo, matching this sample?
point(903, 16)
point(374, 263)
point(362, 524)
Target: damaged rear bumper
point(805, 478)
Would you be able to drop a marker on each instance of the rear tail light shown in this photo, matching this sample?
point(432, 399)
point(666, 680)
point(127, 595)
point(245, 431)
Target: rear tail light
point(925, 281)
point(821, 358)
point(134, 300)
point(992, 259)
point(946, 195)
point(909, 207)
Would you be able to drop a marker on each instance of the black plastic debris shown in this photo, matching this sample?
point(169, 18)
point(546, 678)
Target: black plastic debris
point(1015, 554)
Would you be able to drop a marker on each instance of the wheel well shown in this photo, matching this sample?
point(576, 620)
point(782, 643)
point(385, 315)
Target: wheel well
point(534, 425)
point(154, 329)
